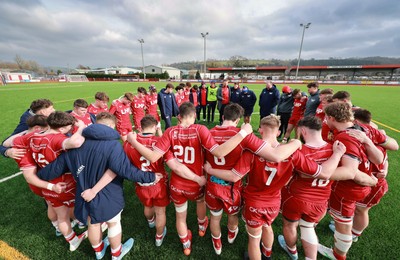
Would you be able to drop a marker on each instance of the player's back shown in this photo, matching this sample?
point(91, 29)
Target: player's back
point(93, 109)
point(140, 161)
point(312, 189)
point(186, 144)
point(265, 179)
point(354, 150)
point(151, 103)
point(299, 106)
point(138, 105)
point(46, 147)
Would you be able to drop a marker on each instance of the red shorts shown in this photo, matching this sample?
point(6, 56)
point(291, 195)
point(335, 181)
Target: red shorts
point(375, 195)
point(66, 198)
point(154, 195)
point(342, 202)
point(256, 217)
point(36, 190)
point(220, 197)
point(180, 195)
point(294, 209)
point(124, 130)
point(294, 120)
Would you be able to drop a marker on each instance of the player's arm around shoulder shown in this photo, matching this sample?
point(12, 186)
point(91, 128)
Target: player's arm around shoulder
point(281, 152)
point(225, 148)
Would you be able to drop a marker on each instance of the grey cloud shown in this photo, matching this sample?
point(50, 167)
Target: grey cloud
point(102, 33)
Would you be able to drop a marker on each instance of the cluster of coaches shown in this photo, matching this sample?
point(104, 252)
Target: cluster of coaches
point(342, 165)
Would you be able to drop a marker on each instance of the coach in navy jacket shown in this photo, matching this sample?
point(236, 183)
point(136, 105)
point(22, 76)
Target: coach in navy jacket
point(269, 98)
point(100, 151)
point(167, 104)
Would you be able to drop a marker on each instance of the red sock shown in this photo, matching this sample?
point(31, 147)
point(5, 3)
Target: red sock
point(99, 247)
point(116, 252)
point(184, 239)
point(266, 251)
point(339, 257)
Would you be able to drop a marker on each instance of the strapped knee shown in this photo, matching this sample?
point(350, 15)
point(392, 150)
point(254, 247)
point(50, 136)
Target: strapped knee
point(115, 230)
point(254, 236)
point(216, 213)
point(308, 232)
point(181, 208)
point(342, 241)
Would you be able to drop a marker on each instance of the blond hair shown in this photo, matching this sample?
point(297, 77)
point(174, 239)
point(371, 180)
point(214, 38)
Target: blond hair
point(271, 121)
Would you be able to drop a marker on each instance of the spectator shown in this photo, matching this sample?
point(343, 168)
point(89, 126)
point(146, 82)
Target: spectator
point(194, 99)
point(211, 101)
point(167, 104)
point(269, 98)
point(224, 97)
point(235, 93)
point(313, 99)
point(247, 100)
point(285, 107)
point(203, 100)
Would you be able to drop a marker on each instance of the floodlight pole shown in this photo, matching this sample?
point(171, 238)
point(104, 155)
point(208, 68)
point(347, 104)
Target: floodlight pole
point(141, 47)
point(305, 26)
point(204, 35)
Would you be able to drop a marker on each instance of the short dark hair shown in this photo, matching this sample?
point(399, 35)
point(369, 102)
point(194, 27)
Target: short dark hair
point(142, 90)
point(129, 96)
point(296, 91)
point(148, 121)
point(311, 122)
point(105, 116)
point(363, 115)
point(186, 109)
point(341, 95)
point(233, 112)
point(101, 96)
point(327, 91)
point(59, 119)
point(188, 84)
point(195, 87)
point(179, 87)
point(169, 85)
point(81, 103)
point(313, 85)
point(39, 104)
point(37, 120)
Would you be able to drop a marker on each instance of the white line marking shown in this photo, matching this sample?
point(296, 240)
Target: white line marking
point(10, 177)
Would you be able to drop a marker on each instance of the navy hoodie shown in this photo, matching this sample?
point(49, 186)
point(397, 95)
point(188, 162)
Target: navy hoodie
point(268, 100)
point(167, 104)
point(100, 151)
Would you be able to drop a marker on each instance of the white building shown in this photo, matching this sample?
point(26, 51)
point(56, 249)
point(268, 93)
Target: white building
point(172, 72)
point(112, 70)
point(16, 77)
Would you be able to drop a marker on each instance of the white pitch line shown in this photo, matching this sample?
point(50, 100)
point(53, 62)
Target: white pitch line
point(10, 177)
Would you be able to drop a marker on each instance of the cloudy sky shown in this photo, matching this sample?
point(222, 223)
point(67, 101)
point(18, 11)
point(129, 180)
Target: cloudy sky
point(101, 33)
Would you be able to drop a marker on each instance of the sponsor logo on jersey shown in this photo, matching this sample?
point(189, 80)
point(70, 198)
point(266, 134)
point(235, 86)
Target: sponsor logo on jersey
point(80, 169)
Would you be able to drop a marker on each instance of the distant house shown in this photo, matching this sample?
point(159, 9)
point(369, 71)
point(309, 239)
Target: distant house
point(112, 70)
point(172, 72)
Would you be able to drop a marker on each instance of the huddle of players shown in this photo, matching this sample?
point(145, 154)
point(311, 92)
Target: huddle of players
point(270, 166)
